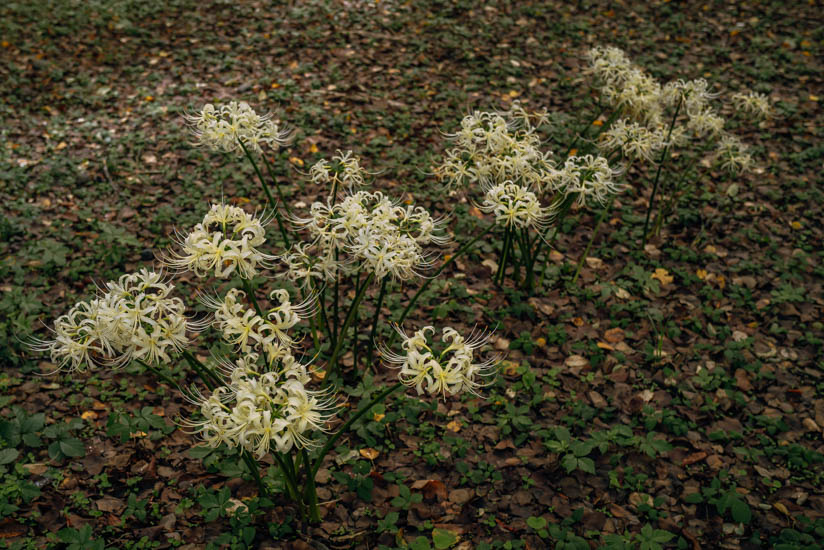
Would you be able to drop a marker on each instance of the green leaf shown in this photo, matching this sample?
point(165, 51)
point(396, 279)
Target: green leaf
point(740, 511)
point(443, 539)
point(72, 447)
point(536, 523)
point(420, 543)
point(8, 455)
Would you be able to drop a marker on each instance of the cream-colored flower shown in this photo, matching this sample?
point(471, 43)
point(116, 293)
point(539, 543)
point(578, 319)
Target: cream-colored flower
point(223, 128)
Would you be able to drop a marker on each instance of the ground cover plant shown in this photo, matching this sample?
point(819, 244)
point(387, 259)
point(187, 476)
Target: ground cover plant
point(662, 382)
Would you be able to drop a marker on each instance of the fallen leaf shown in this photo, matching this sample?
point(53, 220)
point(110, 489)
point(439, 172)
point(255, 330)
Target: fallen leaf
point(370, 453)
point(663, 276)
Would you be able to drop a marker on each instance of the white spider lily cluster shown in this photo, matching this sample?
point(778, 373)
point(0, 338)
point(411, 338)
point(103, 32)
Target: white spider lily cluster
point(753, 103)
point(261, 407)
point(365, 230)
point(452, 370)
point(634, 140)
point(135, 318)
point(732, 154)
point(515, 206)
point(345, 170)
point(246, 330)
point(222, 128)
point(648, 108)
point(587, 177)
point(224, 243)
point(494, 147)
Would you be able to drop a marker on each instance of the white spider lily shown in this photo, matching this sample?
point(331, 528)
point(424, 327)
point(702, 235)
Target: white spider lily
point(222, 128)
point(224, 243)
point(451, 370)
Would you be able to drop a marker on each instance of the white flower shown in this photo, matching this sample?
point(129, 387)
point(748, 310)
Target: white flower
point(222, 128)
point(135, 319)
point(494, 147)
point(587, 176)
point(732, 154)
point(515, 206)
point(633, 139)
point(262, 409)
point(753, 103)
point(452, 368)
point(224, 243)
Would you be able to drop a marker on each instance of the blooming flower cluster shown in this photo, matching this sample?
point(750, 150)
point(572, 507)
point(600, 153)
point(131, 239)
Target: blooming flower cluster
point(515, 206)
point(224, 243)
point(586, 177)
point(223, 128)
point(364, 230)
point(134, 319)
point(261, 406)
point(495, 147)
point(452, 370)
point(345, 170)
point(647, 107)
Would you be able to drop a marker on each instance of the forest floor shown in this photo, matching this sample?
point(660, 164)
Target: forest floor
point(672, 397)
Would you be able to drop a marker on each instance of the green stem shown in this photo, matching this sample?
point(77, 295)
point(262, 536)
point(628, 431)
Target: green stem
point(462, 250)
point(161, 374)
point(291, 483)
point(250, 293)
point(276, 184)
point(272, 204)
point(310, 491)
point(253, 469)
point(209, 378)
point(333, 361)
point(661, 163)
point(504, 252)
point(592, 239)
point(371, 348)
point(354, 418)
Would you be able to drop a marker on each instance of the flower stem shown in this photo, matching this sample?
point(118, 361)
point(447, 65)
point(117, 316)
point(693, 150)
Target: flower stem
point(333, 361)
point(277, 186)
point(209, 378)
point(309, 489)
point(354, 418)
point(272, 204)
point(462, 250)
point(371, 348)
point(592, 239)
point(661, 163)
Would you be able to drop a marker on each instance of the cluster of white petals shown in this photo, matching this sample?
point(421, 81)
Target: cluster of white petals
point(452, 370)
point(344, 170)
point(134, 319)
point(224, 243)
point(247, 331)
point(262, 408)
point(731, 154)
point(263, 403)
point(364, 230)
point(587, 177)
point(494, 147)
point(634, 140)
point(652, 108)
point(753, 103)
point(222, 128)
point(515, 206)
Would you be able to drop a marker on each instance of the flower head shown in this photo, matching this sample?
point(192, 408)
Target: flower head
point(450, 367)
point(753, 103)
point(223, 128)
point(588, 177)
point(134, 319)
point(224, 243)
point(515, 206)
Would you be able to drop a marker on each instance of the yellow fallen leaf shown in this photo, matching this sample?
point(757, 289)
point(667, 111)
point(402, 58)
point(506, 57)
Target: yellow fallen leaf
point(370, 453)
point(663, 276)
point(510, 368)
point(313, 148)
point(597, 122)
point(88, 415)
point(296, 161)
point(796, 225)
point(701, 273)
point(378, 417)
point(148, 98)
point(138, 434)
point(814, 97)
point(541, 341)
point(454, 426)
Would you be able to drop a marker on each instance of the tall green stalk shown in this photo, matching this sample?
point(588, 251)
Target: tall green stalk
point(661, 163)
point(272, 203)
point(375, 318)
